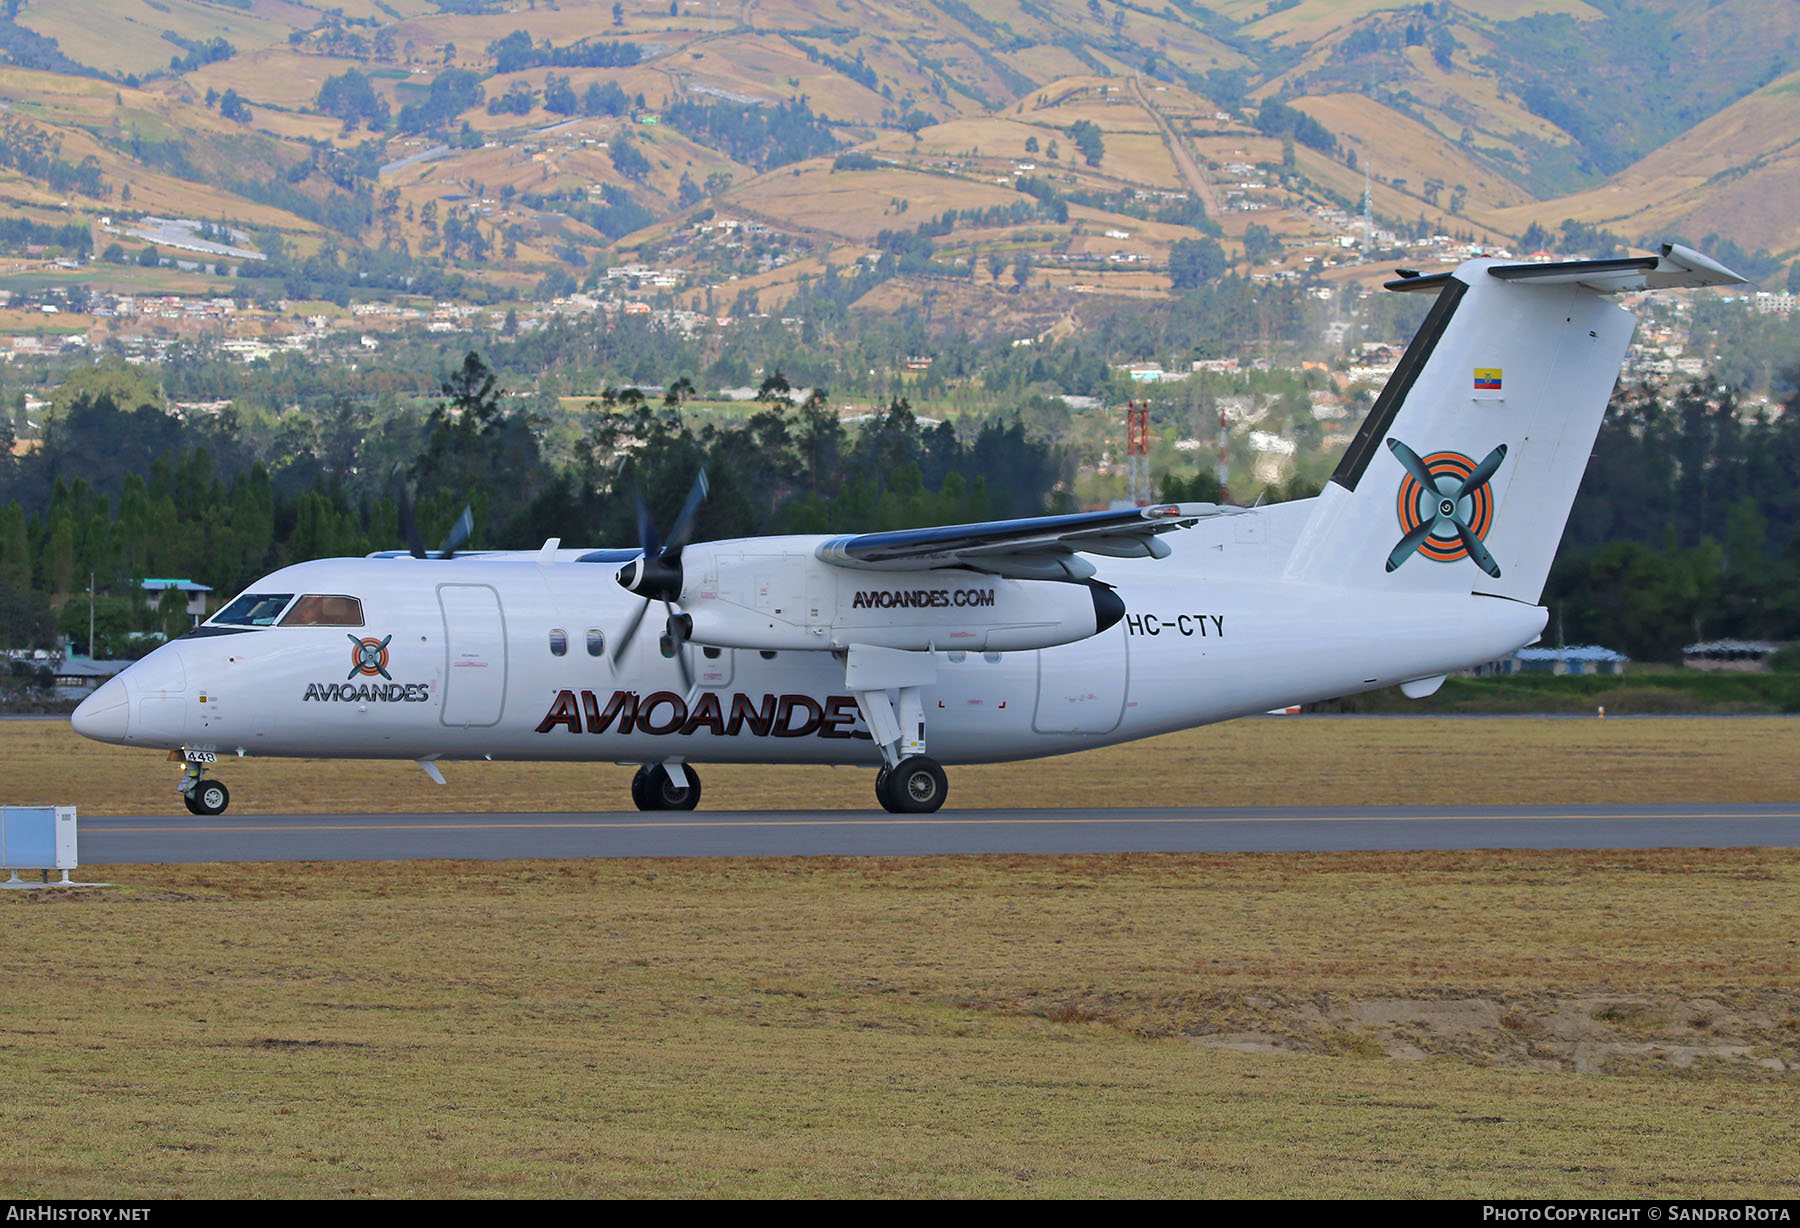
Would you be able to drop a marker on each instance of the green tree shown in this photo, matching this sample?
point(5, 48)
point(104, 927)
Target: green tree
point(25, 618)
point(1260, 244)
point(1196, 262)
point(475, 453)
point(15, 548)
point(1088, 140)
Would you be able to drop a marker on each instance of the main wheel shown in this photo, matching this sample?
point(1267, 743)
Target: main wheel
point(663, 794)
point(913, 786)
point(209, 797)
point(639, 796)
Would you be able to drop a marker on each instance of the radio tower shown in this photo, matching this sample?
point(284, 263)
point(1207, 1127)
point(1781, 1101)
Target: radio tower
point(1137, 451)
point(1368, 243)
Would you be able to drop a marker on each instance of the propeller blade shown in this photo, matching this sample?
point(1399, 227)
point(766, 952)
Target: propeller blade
point(1476, 550)
point(1485, 470)
point(684, 523)
point(1410, 543)
point(621, 644)
point(459, 534)
point(415, 541)
point(1410, 461)
point(646, 527)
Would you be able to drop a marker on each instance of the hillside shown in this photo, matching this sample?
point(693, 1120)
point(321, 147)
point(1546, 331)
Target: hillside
point(1737, 173)
point(917, 151)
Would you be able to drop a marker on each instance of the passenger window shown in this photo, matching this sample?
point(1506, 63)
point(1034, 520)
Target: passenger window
point(316, 610)
point(596, 642)
point(957, 658)
point(768, 654)
point(711, 653)
point(253, 610)
point(559, 643)
point(992, 658)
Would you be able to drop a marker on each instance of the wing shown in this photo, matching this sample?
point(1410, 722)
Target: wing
point(1038, 548)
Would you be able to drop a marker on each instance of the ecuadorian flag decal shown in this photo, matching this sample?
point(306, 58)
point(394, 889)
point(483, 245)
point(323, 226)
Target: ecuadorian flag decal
point(1487, 379)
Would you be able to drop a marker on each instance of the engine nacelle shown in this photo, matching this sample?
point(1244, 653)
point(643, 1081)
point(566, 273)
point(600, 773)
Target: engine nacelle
point(775, 594)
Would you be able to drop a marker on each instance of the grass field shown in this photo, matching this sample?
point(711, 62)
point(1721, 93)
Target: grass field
point(1524, 1024)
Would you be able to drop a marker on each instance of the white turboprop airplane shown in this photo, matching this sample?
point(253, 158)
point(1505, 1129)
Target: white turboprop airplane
point(1426, 552)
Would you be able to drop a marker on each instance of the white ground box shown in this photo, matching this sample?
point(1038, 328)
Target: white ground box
point(37, 838)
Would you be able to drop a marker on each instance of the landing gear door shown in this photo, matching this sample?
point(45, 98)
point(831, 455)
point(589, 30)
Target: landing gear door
point(474, 655)
point(1081, 686)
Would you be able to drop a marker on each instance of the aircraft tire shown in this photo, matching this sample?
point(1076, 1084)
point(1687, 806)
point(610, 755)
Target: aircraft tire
point(640, 796)
point(915, 785)
point(209, 797)
point(662, 794)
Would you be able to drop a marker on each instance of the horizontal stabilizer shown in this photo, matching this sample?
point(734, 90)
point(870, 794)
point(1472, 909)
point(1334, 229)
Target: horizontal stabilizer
point(1677, 268)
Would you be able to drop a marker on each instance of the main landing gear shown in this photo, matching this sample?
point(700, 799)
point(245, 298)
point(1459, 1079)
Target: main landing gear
point(915, 785)
point(201, 796)
point(887, 685)
point(655, 787)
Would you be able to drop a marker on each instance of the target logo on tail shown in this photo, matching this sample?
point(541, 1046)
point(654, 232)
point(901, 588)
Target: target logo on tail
point(1445, 507)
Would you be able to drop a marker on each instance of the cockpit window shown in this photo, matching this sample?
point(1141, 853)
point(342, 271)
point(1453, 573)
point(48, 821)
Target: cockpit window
point(252, 610)
point(318, 610)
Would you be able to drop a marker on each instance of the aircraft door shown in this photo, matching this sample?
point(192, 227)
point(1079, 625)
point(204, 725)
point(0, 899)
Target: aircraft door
point(1081, 686)
point(474, 655)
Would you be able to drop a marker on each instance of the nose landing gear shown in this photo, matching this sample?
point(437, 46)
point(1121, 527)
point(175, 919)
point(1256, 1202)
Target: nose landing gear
point(200, 796)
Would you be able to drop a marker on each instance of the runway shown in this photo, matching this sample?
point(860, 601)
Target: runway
point(155, 839)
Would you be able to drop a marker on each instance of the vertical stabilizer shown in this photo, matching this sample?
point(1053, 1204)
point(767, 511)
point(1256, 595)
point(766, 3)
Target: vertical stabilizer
point(1462, 476)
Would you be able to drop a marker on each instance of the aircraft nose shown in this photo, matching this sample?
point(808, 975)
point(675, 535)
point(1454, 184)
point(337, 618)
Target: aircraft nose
point(102, 716)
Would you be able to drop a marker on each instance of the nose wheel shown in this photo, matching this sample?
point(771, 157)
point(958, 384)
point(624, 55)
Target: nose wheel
point(200, 796)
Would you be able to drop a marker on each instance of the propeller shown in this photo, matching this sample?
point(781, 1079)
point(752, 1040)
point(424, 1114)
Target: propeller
point(409, 524)
point(655, 575)
point(459, 533)
point(415, 541)
point(1446, 517)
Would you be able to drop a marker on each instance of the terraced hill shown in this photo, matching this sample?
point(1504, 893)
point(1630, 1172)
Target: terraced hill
point(912, 150)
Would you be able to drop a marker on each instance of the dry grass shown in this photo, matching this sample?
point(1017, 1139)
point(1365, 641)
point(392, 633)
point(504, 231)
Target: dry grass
point(810, 196)
point(1302, 761)
point(951, 1026)
point(1556, 1024)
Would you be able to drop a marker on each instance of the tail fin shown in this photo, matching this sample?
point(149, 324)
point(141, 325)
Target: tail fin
point(1462, 475)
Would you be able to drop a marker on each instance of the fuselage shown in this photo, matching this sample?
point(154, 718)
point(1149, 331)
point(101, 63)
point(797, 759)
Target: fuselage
point(511, 657)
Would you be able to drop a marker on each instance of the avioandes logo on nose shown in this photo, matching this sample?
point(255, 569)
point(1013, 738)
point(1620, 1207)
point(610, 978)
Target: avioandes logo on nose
point(369, 657)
